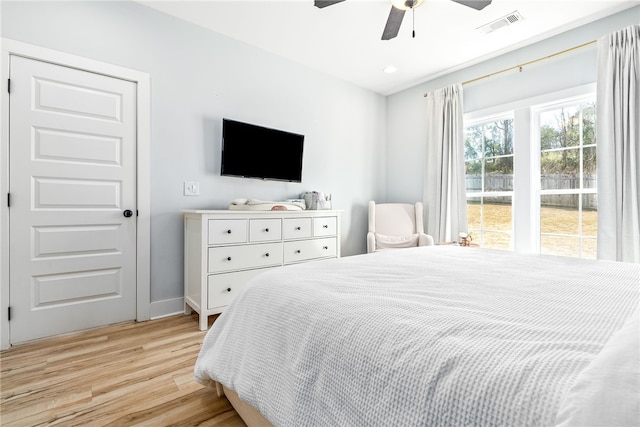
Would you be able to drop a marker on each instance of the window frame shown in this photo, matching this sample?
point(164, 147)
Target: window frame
point(536, 112)
point(526, 160)
point(482, 194)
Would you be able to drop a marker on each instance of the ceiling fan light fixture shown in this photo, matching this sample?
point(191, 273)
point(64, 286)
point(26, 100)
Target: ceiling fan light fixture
point(406, 4)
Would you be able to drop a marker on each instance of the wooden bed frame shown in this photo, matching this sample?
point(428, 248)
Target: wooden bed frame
point(250, 415)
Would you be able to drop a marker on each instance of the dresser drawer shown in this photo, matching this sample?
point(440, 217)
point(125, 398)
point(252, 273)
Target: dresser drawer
point(296, 228)
point(222, 288)
point(224, 250)
point(240, 257)
point(225, 231)
point(325, 226)
point(265, 230)
point(305, 250)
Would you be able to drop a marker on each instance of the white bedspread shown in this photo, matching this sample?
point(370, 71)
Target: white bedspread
point(431, 336)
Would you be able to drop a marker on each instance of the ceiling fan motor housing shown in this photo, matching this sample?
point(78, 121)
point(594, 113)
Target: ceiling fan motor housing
point(406, 4)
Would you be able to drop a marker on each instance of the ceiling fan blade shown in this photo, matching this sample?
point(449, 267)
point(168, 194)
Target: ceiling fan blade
point(474, 4)
point(393, 23)
point(325, 3)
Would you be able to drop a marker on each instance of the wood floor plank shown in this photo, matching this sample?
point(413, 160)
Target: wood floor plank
point(131, 374)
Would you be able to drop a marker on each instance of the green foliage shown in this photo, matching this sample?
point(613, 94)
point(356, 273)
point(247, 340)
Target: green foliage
point(561, 132)
point(567, 140)
point(491, 143)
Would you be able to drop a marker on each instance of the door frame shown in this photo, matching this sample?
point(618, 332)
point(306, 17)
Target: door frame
point(143, 175)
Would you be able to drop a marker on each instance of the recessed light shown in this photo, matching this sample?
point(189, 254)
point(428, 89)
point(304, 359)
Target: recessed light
point(390, 69)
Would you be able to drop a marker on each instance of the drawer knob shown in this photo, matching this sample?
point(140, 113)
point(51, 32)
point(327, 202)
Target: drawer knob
point(325, 247)
point(228, 289)
point(228, 258)
point(298, 251)
point(266, 230)
point(228, 231)
point(298, 228)
point(267, 254)
point(325, 226)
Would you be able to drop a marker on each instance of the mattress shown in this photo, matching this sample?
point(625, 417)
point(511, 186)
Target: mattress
point(430, 336)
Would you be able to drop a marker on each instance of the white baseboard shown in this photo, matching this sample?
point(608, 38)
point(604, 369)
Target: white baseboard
point(168, 307)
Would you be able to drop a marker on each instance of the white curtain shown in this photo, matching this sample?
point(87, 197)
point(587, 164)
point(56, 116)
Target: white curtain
point(444, 187)
point(618, 145)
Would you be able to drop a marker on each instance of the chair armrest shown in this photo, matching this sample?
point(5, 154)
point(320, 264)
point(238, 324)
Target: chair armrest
point(425, 240)
point(371, 242)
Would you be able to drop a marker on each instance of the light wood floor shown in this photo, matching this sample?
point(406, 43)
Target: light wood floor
point(133, 374)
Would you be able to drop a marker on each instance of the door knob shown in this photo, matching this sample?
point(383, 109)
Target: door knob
point(128, 213)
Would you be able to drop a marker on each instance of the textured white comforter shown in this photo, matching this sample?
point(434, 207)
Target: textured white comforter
point(430, 336)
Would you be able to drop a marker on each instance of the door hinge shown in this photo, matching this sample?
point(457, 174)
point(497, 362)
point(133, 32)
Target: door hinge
point(137, 212)
point(9, 313)
point(9, 85)
point(8, 200)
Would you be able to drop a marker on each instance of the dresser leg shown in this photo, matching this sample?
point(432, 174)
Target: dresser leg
point(203, 322)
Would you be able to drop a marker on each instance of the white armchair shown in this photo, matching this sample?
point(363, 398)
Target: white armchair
point(396, 225)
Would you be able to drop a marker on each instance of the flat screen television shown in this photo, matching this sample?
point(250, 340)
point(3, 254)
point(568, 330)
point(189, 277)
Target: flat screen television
point(252, 151)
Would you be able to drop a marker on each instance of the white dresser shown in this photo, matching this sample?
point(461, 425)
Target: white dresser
point(223, 249)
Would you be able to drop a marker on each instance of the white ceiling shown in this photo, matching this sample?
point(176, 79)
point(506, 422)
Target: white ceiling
point(343, 40)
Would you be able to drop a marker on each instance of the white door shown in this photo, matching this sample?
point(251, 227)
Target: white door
point(72, 180)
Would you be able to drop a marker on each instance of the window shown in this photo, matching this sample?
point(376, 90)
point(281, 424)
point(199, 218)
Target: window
point(568, 187)
point(531, 174)
point(489, 181)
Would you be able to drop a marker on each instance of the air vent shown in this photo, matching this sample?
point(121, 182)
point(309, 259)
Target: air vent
point(509, 19)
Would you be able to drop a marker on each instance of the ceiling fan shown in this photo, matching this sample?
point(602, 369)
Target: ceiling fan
point(399, 7)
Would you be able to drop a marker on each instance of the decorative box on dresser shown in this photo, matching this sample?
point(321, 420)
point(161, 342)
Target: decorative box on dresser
point(224, 249)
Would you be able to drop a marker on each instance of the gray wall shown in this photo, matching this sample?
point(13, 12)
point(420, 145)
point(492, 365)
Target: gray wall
point(406, 110)
point(197, 78)
point(359, 145)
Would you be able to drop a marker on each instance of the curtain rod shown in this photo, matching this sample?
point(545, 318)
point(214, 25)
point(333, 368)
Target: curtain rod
point(519, 67)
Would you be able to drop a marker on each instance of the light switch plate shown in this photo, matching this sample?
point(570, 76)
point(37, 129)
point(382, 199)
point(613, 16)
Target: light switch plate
point(191, 188)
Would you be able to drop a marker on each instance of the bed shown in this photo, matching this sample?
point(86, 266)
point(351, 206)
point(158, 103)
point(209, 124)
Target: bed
point(432, 336)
